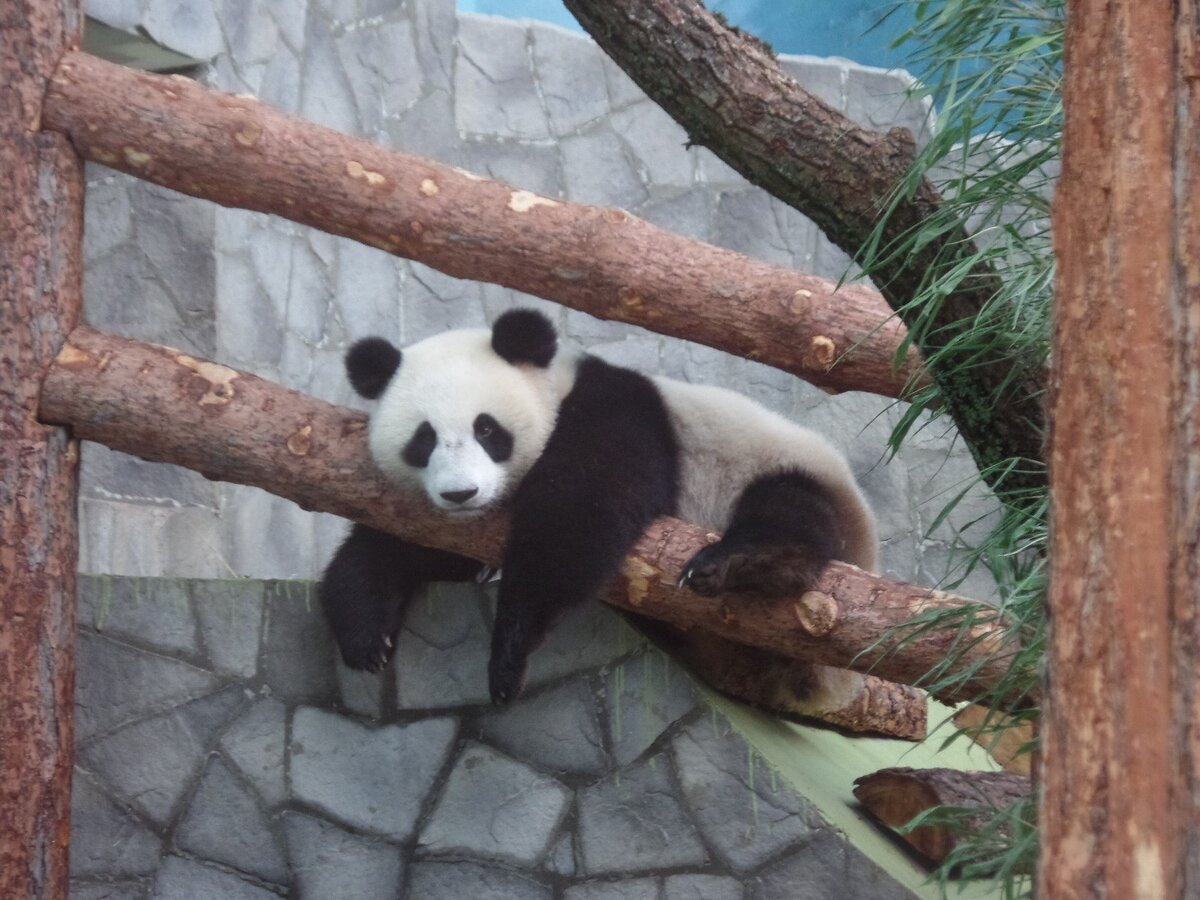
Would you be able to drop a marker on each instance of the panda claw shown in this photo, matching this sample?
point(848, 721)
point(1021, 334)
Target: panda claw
point(685, 577)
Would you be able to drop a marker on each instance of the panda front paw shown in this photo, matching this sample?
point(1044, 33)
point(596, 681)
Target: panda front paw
point(366, 650)
point(706, 572)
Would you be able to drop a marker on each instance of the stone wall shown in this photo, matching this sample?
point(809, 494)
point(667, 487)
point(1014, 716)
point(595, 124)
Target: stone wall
point(223, 752)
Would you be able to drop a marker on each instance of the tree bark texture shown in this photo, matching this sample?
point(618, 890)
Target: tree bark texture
point(236, 427)
point(606, 262)
point(896, 796)
point(1120, 792)
point(41, 254)
point(725, 88)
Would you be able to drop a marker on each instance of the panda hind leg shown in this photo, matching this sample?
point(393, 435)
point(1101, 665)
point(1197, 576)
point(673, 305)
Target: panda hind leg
point(783, 532)
point(367, 585)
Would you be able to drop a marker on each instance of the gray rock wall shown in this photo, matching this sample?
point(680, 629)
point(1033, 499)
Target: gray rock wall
point(222, 750)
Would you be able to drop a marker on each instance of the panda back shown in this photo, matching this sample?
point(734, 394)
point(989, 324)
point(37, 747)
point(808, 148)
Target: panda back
point(726, 441)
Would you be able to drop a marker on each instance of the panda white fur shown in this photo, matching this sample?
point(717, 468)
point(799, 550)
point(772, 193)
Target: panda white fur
point(586, 455)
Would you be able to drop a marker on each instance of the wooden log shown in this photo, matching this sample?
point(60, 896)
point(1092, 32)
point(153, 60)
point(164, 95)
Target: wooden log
point(1120, 753)
point(238, 152)
point(896, 796)
point(1008, 740)
point(41, 256)
point(237, 427)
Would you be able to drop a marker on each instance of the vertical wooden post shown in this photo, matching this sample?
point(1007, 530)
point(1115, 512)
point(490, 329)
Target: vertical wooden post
point(41, 256)
point(1120, 807)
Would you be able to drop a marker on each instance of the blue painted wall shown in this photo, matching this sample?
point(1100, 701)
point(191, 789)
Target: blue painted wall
point(849, 28)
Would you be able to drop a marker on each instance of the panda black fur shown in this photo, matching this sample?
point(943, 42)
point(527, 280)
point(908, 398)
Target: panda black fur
point(586, 455)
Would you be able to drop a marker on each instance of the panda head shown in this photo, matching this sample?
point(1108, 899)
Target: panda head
point(463, 414)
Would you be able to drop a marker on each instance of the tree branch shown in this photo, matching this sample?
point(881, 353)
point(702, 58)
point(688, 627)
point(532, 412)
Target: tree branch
point(236, 427)
point(725, 88)
point(606, 262)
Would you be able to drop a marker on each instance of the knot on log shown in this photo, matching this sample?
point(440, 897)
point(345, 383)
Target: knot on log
point(817, 613)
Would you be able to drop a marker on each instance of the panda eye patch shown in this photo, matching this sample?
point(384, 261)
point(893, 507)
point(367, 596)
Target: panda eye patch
point(420, 446)
point(493, 437)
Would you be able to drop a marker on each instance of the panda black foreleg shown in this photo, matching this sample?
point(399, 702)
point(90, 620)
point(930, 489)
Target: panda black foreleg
point(783, 532)
point(609, 469)
point(368, 583)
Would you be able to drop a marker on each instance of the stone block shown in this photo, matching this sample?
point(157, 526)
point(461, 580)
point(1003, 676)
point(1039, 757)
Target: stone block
point(427, 129)
point(249, 328)
point(230, 615)
point(493, 807)
point(657, 142)
point(529, 167)
point(122, 14)
point(688, 213)
point(435, 302)
point(266, 536)
point(746, 222)
point(745, 812)
point(125, 890)
point(325, 96)
point(148, 611)
point(557, 730)
point(280, 85)
point(375, 780)
point(881, 99)
point(570, 74)
point(329, 862)
point(821, 870)
point(598, 169)
point(494, 90)
point(256, 743)
point(633, 821)
point(622, 91)
point(107, 213)
point(628, 889)
point(383, 71)
point(185, 879)
point(225, 824)
point(297, 654)
point(118, 684)
point(442, 651)
point(712, 170)
point(186, 26)
point(586, 637)
point(111, 475)
point(367, 292)
point(561, 858)
point(644, 695)
point(823, 78)
point(105, 839)
point(152, 763)
point(708, 887)
point(457, 880)
point(436, 26)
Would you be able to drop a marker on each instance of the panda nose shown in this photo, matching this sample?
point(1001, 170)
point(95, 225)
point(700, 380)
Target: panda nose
point(460, 496)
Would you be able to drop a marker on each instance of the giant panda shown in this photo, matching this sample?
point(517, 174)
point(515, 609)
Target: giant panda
point(585, 455)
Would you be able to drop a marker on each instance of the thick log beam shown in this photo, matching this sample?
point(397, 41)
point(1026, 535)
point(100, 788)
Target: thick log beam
point(236, 427)
point(41, 259)
point(605, 262)
point(896, 796)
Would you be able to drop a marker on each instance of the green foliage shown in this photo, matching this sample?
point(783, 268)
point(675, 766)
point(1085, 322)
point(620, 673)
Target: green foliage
point(994, 69)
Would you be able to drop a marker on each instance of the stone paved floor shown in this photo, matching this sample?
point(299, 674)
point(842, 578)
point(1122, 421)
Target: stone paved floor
point(224, 753)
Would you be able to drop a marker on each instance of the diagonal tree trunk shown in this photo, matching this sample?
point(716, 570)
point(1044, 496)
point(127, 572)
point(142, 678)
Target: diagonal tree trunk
point(41, 258)
point(727, 91)
point(239, 152)
point(232, 426)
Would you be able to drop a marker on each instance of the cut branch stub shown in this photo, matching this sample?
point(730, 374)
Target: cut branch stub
point(166, 406)
point(605, 262)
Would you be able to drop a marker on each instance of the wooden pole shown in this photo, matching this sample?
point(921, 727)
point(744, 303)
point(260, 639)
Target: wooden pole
point(41, 254)
point(605, 262)
point(167, 406)
point(1120, 792)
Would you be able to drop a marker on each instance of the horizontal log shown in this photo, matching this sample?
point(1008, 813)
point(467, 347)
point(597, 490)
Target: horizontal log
point(232, 426)
point(896, 796)
point(239, 152)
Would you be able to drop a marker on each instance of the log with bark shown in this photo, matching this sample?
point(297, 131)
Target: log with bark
point(726, 89)
point(605, 262)
point(897, 796)
point(237, 427)
point(41, 292)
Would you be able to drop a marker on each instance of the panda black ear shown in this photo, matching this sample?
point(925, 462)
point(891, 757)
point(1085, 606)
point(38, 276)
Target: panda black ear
point(370, 364)
point(524, 336)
